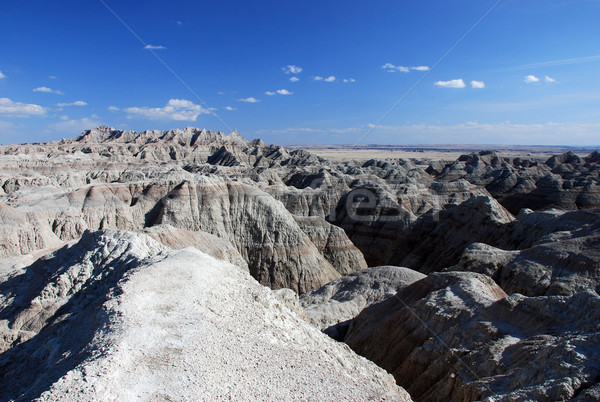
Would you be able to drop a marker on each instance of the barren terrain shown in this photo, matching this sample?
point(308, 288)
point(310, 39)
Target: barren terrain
point(190, 264)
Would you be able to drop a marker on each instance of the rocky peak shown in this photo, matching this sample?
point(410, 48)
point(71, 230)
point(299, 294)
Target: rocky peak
point(99, 135)
point(568, 157)
point(189, 136)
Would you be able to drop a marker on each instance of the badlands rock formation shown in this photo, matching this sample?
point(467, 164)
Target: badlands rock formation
point(559, 255)
point(344, 298)
point(96, 301)
point(458, 336)
point(117, 317)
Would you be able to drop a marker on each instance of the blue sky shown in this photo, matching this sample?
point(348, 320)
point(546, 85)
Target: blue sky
point(309, 72)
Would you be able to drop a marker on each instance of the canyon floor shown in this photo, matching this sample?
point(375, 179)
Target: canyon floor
point(194, 265)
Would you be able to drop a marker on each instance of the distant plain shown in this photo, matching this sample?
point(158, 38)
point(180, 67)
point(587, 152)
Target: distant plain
point(344, 153)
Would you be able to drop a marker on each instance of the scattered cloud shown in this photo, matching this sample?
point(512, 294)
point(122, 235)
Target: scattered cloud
point(52, 77)
point(18, 109)
point(76, 103)
point(175, 109)
point(349, 80)
point(478, 84)
point(229, 108)
point(456, 83)
point(48, 90)
point(389, 67)
point(331, 78)
point(154, 47)
point(291, 69)
point(294, 79)
point(179, 23)
point(2, 75)
point(113, 108)
point(250, 99)
point(279, 92)
point(531, 78)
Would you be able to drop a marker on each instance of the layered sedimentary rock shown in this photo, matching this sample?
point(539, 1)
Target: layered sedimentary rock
point(564, 181)
point(117, 317)
point(343, 299)
point(275, 248)
point(215, 246)
point(457, 336)
point(333, 244)
point(437, 240)
point(562, 256)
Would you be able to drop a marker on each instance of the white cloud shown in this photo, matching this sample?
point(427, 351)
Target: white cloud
point(478, 84)
point(52, 77)
point(331, 78)
point(74, 126)
point(175, 109)
point(456, 83)
point(349, 80)
point(76, 103)
point(294, 79)
point(389, 67)
point(531, 78)
point(549, 79)
point(291, 69)
point(112, 108)
point(179, 23)
point(154, 47)
point(48, 90)
point(229, 108)
point(18, 109)
point(250, 99)
point(279, 92)
point(2, 75)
